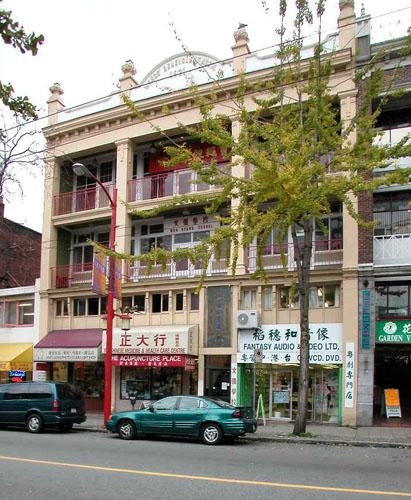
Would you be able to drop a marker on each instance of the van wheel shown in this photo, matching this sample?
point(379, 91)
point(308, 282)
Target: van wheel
point(126, 429)
point(34, 423)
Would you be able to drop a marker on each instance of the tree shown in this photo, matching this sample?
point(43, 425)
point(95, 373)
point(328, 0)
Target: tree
point(19, 150)
point(14, 34)
point(303, 158)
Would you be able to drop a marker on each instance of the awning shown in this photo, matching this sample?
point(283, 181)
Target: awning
point(70, 345)
point(164, 340)
point(156, 361)
point(16, 357)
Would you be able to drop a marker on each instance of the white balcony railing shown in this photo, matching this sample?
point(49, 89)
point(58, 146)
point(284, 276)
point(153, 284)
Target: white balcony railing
point(392, 250)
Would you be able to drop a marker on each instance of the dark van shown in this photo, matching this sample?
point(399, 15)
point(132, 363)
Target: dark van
point(36, 405)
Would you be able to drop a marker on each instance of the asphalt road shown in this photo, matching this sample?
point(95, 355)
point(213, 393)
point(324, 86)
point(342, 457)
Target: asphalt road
point(89, 465)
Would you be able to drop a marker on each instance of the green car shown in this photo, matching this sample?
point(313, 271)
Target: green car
point(195, 416)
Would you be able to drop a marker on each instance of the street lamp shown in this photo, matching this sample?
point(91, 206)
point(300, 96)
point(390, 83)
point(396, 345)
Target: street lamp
point(80, 169)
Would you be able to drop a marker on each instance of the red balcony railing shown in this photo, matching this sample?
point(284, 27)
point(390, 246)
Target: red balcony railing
point(82, 199)
point(173, 183)
point(73, 275)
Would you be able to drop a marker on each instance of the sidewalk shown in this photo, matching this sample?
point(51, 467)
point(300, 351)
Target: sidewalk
point(317, 433)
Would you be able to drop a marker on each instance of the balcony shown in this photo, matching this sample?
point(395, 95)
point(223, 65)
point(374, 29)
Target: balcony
point(166, 184)
point(71, 275)
point(174, 270)
point(81, 200)
point(392, 250)
point(325, 253)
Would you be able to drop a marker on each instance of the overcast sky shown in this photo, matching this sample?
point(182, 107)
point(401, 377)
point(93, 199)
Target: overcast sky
point(87, 41)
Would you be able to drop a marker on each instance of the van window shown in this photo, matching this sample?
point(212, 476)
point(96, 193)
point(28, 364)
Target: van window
point(40, 391)
point(17, 391)
point(67, 391)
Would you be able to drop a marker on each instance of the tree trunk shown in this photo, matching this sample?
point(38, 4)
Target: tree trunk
point(303, 261)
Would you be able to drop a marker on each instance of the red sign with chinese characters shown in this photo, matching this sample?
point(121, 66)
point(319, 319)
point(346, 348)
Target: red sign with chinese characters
point(182, 361)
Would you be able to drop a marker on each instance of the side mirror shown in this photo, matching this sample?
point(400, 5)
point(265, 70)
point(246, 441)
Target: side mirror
point(151, 408)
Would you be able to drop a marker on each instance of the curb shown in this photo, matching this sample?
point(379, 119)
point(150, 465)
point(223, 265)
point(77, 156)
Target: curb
point(294, 440)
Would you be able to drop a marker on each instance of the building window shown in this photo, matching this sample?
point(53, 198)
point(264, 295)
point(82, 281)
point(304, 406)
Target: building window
point(392, 214)
point(79, 307)
point(392, 300)
point(248, 298)
point(93, 306)
point(135, 302)
point(194, 301)
point(267, 298)
point(320, 296)
point(151, 382)
point(329, 234)
point(62, 307)
point(17, 312)
point(159, 302)
point(179, 301)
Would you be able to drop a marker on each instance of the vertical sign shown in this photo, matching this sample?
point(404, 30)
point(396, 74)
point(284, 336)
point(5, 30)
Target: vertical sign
point(218, 316)
point(366, 319)
point(99, 273)
point(349, 375)
point(233, 395)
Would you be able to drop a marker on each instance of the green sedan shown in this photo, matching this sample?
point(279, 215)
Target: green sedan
point(195, 416)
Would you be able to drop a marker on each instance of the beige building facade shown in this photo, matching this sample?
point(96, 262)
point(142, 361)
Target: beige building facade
point(180, 341)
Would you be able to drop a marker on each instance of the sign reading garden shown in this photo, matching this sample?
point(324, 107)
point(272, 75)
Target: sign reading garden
point(393, 332)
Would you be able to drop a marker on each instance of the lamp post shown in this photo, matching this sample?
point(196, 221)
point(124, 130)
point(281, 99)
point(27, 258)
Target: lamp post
point(80, 169)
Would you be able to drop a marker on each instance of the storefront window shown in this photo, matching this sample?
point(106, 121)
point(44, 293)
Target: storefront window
point(150, 382)
point(89, 378)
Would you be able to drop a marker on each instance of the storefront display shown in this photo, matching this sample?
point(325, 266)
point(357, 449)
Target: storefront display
point(277, 369)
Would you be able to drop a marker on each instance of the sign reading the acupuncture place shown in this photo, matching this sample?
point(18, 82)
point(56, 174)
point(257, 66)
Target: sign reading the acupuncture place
point(281, 343)
point(393, 332)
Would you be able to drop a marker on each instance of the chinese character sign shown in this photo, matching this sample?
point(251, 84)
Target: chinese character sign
point(281, 344)
point(349, 373)
point(169, 339)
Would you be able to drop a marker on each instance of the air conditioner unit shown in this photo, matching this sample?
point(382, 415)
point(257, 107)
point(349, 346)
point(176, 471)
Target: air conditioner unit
point(248, 319)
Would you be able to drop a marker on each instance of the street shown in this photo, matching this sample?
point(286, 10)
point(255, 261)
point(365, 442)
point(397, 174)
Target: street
point(96, 465)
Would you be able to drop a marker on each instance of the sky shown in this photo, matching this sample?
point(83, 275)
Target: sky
point(87, 41)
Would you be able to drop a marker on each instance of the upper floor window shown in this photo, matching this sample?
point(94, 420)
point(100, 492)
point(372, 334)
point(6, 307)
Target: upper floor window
point(392, 300)
point(159, 302)
point(135, 302)
point(320, 296)
point(15, 313)
point(102, 168)
point(392, 213)
point(62, 307)
point(248, 298)
point(329, 233)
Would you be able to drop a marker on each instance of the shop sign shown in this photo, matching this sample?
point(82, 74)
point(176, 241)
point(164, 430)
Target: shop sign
point(349, 373)
point(67, 354)
point(12, 365)
point(392, 403)
point(281, 344)
point(159, 361)
point(393, 332)
point(189, 224)
point(167, 340)
point(365, 319)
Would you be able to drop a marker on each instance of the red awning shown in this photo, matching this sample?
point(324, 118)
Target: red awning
point(155, 360)
point(85, 337)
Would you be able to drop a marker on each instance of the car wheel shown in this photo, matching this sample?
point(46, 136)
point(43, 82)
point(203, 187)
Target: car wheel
point(126, 429)
point(34, 423)
point(211, 434)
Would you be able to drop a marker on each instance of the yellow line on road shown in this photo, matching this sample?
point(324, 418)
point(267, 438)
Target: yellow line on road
point(207, 478)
